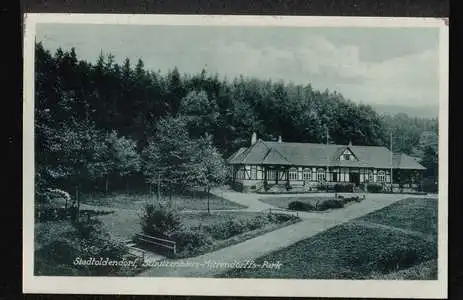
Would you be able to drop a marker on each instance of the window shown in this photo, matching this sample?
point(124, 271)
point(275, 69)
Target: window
point(381, 176)
point(271, 174)
point(253, 172)
point(321, 175)
point(306, 175)
point(293, 174)
point(346, 156)
point(370, 177)
point(239, 173)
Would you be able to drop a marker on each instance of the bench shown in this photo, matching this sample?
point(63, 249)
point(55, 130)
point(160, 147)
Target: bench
point(166, 246)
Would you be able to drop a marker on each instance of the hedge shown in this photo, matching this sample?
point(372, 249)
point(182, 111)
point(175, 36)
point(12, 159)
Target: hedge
point(344, 188)
point(374, 188)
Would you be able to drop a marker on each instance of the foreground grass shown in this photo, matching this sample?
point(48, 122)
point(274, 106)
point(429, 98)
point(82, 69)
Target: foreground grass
point(122, 224)
point(367, 248)
point(187, 201)
point(415, 214)
point(425, 270)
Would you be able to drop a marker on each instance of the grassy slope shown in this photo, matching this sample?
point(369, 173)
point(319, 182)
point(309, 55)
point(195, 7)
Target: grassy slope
point(425, 270)
point(415, 214)
point(356, 251)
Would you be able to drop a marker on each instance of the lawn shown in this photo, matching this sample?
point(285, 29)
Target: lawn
point(425, 270)
point(122, 224)
point(371, 247)
point(187, 201)
point(415, 214)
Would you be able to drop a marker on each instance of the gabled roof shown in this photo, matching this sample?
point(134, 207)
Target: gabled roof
point(341, 150)
point(404, 161)
point(309, 154)
point(237, 155)
point(274, 157)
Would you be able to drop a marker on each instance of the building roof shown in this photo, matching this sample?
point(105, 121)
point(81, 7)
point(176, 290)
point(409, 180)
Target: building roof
point(404, 161)
point(309, 154)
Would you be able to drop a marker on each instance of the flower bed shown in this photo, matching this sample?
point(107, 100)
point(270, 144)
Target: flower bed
point(307, 203)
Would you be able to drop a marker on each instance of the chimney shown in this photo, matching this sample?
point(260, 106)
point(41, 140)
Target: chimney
point(350, 143)
point(279, 139)
point(253, 138)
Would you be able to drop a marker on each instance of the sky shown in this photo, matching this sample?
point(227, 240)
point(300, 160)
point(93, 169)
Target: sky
point(384, 66)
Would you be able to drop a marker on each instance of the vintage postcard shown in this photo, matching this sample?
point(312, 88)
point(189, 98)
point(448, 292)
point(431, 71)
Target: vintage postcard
point(235, 155)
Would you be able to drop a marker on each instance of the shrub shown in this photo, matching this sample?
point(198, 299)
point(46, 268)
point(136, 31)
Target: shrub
point(227, 229)
point(344, 188)
point(374, 188)
point(50, 214)
point(50, 204)
point(288, 186)
point(237, 186)
point(280, 218)
point(235, 226)
point(329, 203)
point(277, 188)
point(256, 222)
point(58, 244)
point(159, 220)
point(54, 197)
point(301, 206)
point(351, 199)
point(190, 239)
point(265, 185)
point(430, 185)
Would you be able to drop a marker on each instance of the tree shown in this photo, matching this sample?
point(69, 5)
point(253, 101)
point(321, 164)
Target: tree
point(114, 157)
point(208, 167)
point(79, 103)
point(429, 138)
point(200, 113)
point(168, 155)
point(430, 162)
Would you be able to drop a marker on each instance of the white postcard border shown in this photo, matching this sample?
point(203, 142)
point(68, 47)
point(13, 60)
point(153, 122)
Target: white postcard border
point(228, 287)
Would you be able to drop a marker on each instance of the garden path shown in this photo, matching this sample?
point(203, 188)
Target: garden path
point(249, 250)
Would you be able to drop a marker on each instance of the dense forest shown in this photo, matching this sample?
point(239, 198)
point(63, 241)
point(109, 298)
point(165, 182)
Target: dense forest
point(104, 124)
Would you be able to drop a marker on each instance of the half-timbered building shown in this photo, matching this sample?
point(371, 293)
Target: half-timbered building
point(302, 164)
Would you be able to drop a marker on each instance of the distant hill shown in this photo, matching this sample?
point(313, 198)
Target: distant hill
point(426, 111)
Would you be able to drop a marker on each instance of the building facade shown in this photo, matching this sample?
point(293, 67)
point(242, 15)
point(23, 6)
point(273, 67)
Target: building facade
point(308, 164)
